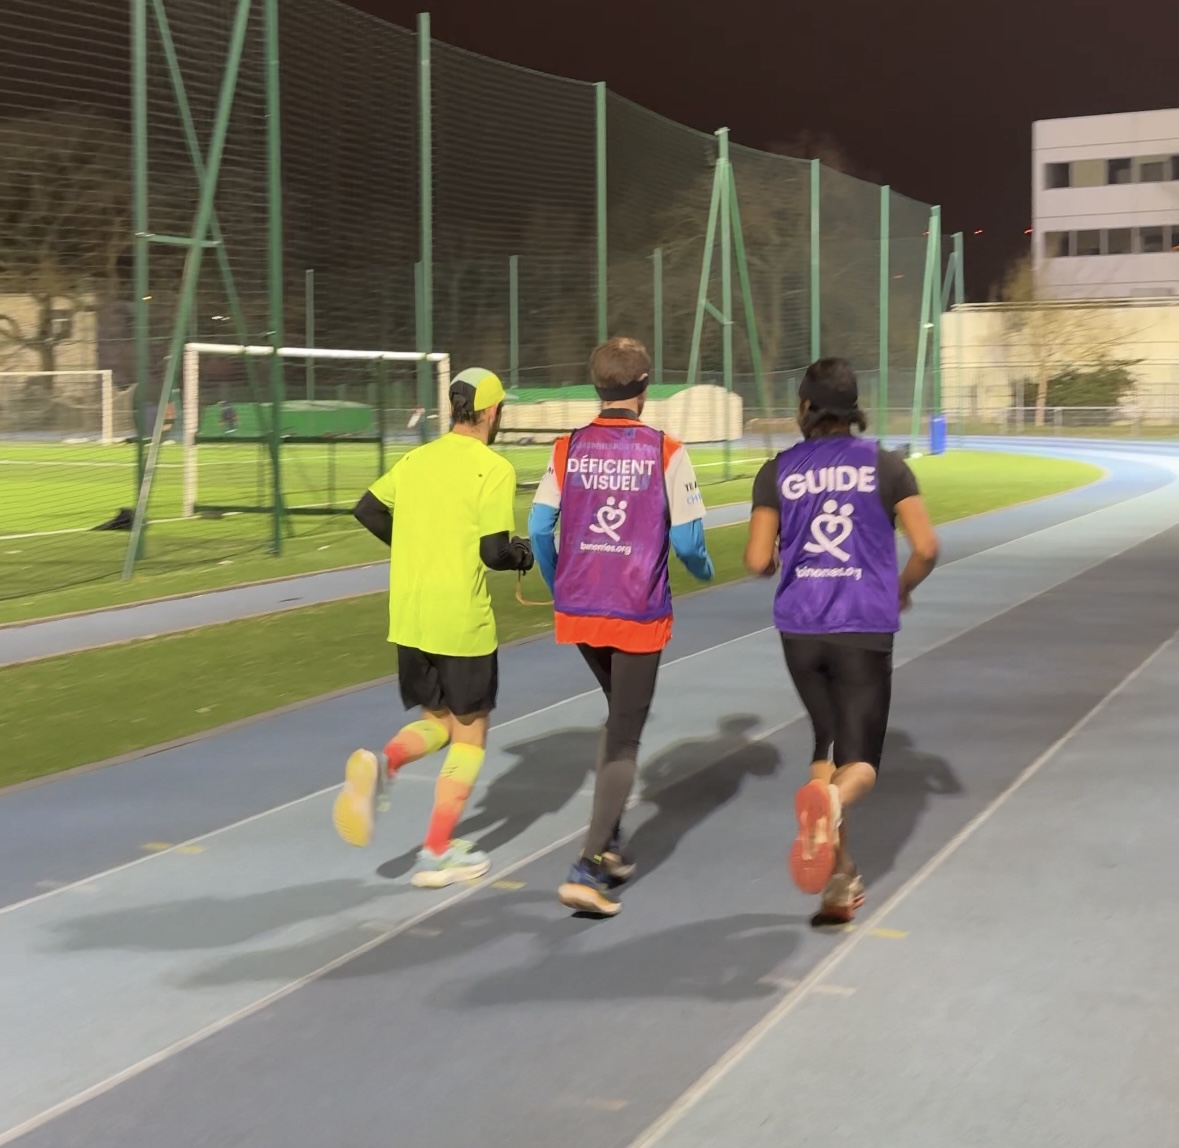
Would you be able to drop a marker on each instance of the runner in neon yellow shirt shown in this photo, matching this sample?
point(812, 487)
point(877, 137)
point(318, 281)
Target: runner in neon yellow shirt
point(446, 510)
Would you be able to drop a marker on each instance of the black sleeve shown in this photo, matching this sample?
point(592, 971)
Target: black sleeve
point(499, 552)
point(897, 480)
point(765, 487)
point(375, 517)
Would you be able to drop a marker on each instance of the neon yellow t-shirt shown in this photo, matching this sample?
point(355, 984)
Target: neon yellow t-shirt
point(445, 496)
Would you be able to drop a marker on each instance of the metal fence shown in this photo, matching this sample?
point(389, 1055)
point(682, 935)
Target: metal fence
point(236, 171)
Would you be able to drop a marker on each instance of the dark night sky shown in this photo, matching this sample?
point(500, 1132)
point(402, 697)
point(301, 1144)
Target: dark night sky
point(938, 99)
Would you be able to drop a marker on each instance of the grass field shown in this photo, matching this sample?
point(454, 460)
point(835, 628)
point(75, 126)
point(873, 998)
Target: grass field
point(52, 496)
point(88, 706)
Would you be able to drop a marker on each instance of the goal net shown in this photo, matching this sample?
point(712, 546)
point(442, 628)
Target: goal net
point(64, 406)
point(341, 419)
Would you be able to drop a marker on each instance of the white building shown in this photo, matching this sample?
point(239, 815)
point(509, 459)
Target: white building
point(1105, 205)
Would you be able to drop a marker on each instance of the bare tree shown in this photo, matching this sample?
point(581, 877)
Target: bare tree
point(64, 221)
point(1050, 336)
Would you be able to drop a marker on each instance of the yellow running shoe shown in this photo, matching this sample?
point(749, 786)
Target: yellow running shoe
point(355, 810)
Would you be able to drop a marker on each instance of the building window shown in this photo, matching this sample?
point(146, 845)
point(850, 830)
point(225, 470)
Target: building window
point(61, 325)
point(1119, 171)
point(1119, 241)
point(1175, 236)
point(1088, 243)
point(1055, 244)
point(1175, 167)
point(1152, 170)
point(1056, 175)
point(1150, 240)
point(1088, 173)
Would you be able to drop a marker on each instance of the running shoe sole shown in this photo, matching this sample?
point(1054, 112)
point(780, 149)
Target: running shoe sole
point(451, 875)
point(812, 856)
point(586, 899)
point(353, 811)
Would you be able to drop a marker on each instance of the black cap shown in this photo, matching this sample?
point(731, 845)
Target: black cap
point(830, 386)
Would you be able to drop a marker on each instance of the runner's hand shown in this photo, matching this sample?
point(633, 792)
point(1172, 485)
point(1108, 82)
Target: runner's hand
point(906, 600)
point(522, 549)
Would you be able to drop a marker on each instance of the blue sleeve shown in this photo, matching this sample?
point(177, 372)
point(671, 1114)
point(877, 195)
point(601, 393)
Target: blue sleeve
point(542, 529)
point(687, 540)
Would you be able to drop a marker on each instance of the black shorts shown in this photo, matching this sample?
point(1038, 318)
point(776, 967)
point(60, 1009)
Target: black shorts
point(461, 686)
point(847, 691)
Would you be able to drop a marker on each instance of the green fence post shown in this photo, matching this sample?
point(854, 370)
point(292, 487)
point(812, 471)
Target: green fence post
point(600, 168)
point(141, 225)
point(747, 294)
point(274, 259)
point(937, 308)
point(726, 222)
point(885, 292)
point(657, 259)
point(816, 314)
point(419, 294)
point(192, 271)
point(927, 311)
point(425, 293)
point(959, 271)
point(514, 319)
point(309, 335)
point(702, 303)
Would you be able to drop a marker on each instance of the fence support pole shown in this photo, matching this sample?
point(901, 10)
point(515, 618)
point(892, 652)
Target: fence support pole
point(141, 225)
point(885, 292)
point(603, 263)
point(514, 320)
point(425, 266)
point(309, 324)
point(927, 313)
point(726, 222)
point(275, 285)
point(816, 315)
point(937, 309)
point(657, 260)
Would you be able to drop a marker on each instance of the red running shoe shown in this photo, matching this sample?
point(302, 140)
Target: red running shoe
point(812, 856)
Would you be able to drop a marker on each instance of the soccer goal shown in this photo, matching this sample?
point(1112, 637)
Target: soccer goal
point(342, 417)
point(342, 412)
point(60, 406)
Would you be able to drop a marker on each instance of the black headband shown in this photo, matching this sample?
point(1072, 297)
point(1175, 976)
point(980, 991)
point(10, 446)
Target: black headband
point(628, 391)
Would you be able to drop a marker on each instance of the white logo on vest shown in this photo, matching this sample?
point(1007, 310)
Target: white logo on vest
point(830, 530)
point(611, 519)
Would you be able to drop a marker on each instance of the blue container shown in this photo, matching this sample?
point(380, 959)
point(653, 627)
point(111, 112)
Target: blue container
point(937, 434)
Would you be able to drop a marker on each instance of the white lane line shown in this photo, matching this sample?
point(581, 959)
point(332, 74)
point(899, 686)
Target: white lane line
point(813, 981)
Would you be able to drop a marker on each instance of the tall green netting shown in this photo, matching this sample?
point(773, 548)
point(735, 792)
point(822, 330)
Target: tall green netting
point(849, 275)
point(64, 184)
point(512, 251)
point(659, 183)
point(514, 175)
point(908, 244)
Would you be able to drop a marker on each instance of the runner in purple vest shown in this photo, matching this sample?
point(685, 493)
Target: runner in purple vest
point(825, 514)
point(626, 497)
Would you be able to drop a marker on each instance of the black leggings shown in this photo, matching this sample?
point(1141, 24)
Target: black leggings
point(847, 691)
point(628, 681)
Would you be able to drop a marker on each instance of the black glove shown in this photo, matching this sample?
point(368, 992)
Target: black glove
point(522, 552)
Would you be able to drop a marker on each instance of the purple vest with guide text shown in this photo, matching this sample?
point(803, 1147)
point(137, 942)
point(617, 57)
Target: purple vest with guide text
point(838, 544)
point(612, 558)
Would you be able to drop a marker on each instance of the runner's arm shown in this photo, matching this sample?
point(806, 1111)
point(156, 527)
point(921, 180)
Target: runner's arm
point(374, 511)
point(542, 522)
point(687, 516)
point(765, 523)
point(498, 550)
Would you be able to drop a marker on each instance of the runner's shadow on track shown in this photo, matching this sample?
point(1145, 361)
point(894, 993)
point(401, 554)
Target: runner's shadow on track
point(550, 771)
point(214, 922)
point(723, 959)
point(909, 782)
point(689, 782)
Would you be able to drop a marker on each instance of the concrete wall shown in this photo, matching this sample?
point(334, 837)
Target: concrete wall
point(987, 349)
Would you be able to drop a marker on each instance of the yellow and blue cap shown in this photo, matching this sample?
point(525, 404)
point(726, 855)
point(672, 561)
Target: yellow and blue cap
point(478, 388)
